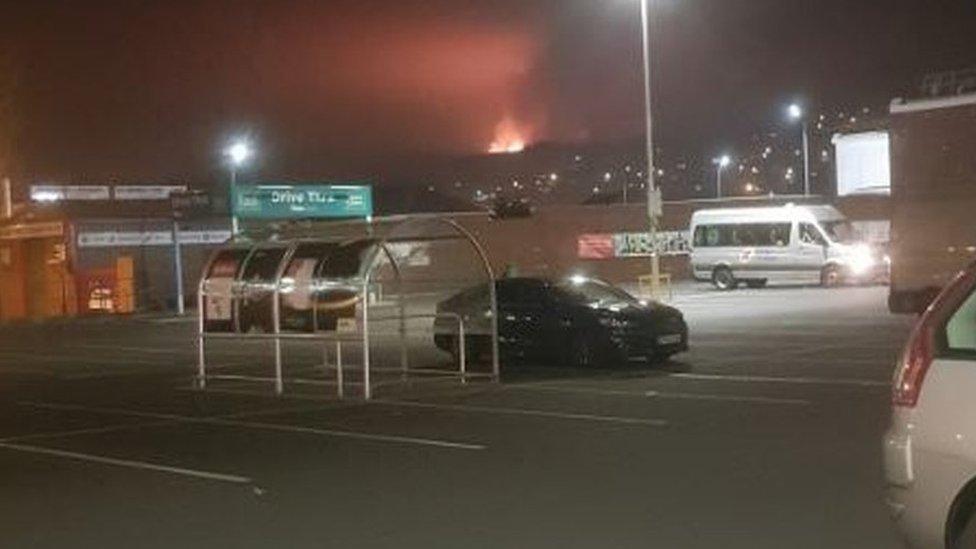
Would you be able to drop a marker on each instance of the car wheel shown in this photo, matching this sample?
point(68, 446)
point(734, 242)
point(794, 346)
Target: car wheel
point(723, 279)
point(967, 538)
point(586, 353)
point(831, 277)
point(756, 283)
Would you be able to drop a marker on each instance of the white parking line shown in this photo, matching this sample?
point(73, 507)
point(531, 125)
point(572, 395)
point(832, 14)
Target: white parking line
point(264, 426)
point(775, 379)
point(89, 431)
point(143, 465)
point(653, 422)
point(665, 395)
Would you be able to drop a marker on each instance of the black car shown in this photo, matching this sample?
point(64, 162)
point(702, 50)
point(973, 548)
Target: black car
point(579, 322)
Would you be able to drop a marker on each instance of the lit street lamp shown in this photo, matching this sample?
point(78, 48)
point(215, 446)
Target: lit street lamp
point(796, 114)
point(721, 163)
point(237, 154)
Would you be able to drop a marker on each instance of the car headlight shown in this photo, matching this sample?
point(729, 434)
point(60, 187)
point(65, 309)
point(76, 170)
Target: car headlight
point(861, 260)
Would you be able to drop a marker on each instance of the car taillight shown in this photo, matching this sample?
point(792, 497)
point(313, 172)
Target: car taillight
point(915, 362)
point(921, 348)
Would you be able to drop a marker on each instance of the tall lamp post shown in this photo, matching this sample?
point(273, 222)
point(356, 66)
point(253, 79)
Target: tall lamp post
point(654, 205)
point(237, 155)
point(721, 163)
point(796, 114)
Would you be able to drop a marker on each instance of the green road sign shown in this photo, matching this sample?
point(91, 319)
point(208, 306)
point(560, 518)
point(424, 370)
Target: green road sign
point(302, 201)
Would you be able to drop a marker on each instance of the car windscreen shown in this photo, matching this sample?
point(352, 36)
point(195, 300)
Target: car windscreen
point(839, 231)
point(595, 294)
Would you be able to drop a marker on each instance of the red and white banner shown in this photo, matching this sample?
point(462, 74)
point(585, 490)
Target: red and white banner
point(595, 246)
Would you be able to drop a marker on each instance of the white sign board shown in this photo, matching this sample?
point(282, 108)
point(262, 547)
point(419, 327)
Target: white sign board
point(863, 163)
point(52, 193)
point(146, 192)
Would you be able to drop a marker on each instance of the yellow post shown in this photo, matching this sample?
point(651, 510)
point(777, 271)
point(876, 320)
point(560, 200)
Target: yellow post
point(124, 285)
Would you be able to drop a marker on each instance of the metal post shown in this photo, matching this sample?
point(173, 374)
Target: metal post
point(276, 314)
point(718, 180)
point(367, 389)
point(462, 351)
point(234, 223)
point(806, 158)
point(340, 391)
point(653, 197)
point(276, 319)
point(178, 268)
point(201, 341)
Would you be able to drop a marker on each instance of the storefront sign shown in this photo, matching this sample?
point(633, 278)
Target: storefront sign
point(621, 245)
point(303, 201)
point(108, 239)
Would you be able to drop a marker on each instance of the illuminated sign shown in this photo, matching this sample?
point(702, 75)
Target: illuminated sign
point(863, 163)
point(302, 201)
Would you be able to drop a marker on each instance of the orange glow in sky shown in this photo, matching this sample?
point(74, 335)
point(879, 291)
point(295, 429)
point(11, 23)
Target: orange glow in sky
point(509, 137)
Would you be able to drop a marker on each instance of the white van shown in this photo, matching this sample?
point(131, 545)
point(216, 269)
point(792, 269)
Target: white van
point(791, 244)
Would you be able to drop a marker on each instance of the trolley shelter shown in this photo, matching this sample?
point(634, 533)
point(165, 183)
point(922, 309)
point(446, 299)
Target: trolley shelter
point(354, 304)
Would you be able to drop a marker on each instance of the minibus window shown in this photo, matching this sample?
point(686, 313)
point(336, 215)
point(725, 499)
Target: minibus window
point(810, 235)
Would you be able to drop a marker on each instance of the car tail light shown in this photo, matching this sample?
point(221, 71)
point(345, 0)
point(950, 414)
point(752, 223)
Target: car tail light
point(915, 362)
point(921, 348)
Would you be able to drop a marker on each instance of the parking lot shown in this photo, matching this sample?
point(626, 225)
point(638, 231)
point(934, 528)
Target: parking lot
point(765, 434)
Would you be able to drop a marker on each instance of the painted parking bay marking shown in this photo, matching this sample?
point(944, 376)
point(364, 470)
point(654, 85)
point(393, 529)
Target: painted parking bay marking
point(266, 426)
point(126, 463)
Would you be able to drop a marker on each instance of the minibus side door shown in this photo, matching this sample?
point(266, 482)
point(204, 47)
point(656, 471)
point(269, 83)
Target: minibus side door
point(811, 249)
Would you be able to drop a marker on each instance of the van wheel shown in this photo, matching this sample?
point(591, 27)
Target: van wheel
point(723, 279)
point(831, 277)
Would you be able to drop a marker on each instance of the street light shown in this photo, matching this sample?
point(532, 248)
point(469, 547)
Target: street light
point(237, 155)
point(796, 114)
point(721, 163)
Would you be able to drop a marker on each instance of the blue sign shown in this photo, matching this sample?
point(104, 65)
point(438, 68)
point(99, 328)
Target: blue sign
point(302, 201)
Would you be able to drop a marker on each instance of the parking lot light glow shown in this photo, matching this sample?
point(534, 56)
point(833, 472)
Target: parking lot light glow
point(238, 153)
point(795, 111)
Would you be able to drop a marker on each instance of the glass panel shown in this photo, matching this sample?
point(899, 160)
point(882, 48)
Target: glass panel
point(346, 261)
point(263, 264)
point(961, 328)
point(595, 293)
point(298, 285)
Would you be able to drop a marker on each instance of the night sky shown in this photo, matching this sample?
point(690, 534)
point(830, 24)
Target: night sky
point(141, 91)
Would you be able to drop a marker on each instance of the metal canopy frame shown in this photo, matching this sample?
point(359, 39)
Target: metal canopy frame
point(397, 231)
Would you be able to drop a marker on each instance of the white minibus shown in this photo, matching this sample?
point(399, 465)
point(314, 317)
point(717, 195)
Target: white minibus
point(785, 244)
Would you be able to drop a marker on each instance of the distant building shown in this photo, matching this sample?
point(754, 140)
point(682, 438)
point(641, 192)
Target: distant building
point(95, 249)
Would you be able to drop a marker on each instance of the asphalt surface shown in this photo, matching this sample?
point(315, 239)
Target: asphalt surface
point(765, 434)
